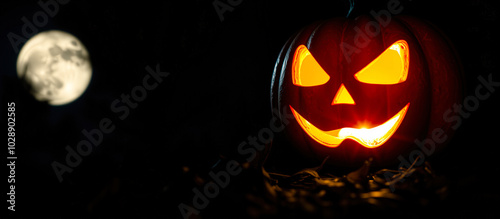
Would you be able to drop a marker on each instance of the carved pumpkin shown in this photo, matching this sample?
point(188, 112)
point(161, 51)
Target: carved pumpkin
point(358, 89)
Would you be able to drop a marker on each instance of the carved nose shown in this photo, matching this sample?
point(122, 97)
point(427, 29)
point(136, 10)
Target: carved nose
point(342, 96)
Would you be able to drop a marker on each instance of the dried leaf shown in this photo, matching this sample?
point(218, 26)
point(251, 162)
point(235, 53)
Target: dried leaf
point(361, 174)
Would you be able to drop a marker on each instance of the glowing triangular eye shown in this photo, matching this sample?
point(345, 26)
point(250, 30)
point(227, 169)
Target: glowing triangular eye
point(390, 67)
point(306, 72)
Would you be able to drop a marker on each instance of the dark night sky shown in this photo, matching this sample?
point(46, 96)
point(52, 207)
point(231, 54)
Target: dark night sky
point(216, 95)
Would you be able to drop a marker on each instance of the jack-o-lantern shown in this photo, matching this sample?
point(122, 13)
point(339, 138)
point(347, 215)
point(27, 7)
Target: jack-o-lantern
point(358, 89)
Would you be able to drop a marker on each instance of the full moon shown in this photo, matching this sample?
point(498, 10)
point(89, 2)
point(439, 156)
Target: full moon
point(55, 66)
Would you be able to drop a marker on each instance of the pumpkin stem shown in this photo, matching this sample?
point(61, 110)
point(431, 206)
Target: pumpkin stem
point(351, 7)
point(364, 7)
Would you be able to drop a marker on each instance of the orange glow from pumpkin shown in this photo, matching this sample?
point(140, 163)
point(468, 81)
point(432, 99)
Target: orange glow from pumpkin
point(306, 71)
point(343, 96)
point(390, 67)
point(368, 137)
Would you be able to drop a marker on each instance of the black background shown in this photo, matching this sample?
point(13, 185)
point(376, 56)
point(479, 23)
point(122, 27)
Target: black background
point(216, 95)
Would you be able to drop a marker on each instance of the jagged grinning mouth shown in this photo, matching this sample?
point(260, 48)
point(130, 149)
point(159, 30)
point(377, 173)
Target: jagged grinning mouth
point(368, 137)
